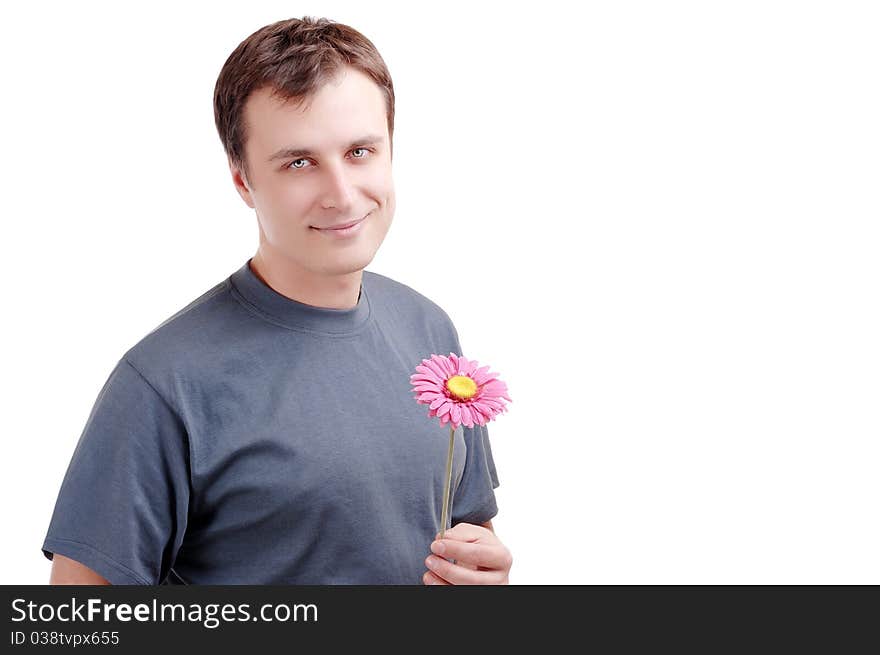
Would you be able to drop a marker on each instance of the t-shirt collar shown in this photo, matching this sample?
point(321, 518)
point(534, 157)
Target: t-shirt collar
point(291, 313)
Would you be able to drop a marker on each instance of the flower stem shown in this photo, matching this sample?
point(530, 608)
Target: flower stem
point(447, 482)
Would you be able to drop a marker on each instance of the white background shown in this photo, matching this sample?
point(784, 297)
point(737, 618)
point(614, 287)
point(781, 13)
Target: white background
point(657, 221)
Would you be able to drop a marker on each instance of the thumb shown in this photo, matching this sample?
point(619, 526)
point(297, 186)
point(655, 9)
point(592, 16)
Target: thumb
point(464, 532)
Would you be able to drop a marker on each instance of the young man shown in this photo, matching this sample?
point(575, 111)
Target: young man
point(266, 433)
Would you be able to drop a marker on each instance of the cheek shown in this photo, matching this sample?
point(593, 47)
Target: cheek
point(390, 204)
point(291, 207)
point(382, 189)
point(377, 180)
point(282, 214)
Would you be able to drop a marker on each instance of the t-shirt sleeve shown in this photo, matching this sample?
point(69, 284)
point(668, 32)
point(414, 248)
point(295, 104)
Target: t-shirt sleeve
point(474, 500)
point(123, 504)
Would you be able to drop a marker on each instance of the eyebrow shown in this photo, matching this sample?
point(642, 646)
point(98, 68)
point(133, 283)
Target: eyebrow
point(284, 153)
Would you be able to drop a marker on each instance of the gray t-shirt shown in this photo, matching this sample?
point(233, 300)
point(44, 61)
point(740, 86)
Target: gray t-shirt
point(254, 439)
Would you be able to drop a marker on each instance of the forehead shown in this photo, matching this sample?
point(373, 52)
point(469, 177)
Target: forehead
point(344, 108)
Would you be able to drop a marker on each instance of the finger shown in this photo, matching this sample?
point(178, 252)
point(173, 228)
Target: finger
point(459, 575)
point(489, 556)
point(467, 565)
point(467, 532)
point(431, 579)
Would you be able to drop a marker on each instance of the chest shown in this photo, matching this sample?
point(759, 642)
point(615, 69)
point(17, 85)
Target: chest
point(316, 428)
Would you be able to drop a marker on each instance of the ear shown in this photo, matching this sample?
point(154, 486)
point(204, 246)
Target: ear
point(241, 184)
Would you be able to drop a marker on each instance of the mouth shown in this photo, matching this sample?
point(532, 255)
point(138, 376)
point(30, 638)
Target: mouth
point(344, 231)
point(342, 226)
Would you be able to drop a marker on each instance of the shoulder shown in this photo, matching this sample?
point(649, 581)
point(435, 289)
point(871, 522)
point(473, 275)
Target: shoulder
point(391, 293)
point(186, 339)
point(411, 317)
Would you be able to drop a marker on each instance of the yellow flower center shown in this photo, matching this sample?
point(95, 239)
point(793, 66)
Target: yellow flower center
point(461, 386)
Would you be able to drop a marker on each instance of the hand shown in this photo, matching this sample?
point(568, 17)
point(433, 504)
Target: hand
point(480, 558)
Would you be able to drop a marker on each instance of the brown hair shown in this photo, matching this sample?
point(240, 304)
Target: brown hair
point(294, 58)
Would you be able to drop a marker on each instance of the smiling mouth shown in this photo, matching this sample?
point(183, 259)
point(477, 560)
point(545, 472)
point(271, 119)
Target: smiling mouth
point(343, 226)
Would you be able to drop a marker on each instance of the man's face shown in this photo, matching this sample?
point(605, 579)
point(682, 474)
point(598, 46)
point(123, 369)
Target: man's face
point(326, 162)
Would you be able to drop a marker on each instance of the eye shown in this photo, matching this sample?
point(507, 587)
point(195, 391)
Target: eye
point(360, 152)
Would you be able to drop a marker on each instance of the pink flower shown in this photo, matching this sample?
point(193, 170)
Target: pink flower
point(458, 392)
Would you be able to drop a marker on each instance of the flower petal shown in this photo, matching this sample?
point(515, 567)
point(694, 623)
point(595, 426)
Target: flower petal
point(483, 410)
point(495, 388)
point(495, 408)
point(447, 365)
point(436, 368)
point(481, 375)
point(481, 418)
point(426, 371)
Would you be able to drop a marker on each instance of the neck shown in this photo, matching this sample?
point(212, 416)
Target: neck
point(292, 281)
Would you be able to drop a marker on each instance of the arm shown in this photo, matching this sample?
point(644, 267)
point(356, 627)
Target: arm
point(67, 571)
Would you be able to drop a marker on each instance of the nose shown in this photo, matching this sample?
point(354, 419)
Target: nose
point(337, 192)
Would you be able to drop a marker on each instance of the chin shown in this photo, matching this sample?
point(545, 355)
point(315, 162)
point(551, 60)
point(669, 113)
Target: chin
point(344, 265)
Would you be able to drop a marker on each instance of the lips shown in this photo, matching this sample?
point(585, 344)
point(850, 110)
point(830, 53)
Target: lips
point(340, 226)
